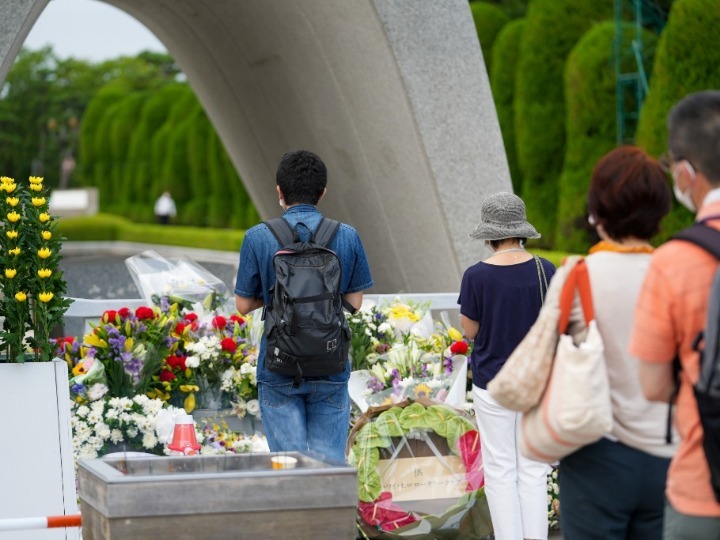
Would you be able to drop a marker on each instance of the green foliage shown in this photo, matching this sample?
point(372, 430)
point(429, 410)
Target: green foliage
point(108, 227)
point(505, 55)
point(685, 62)
point(552, 29)
point(124, 120)
point(489, 20)
point(513, 8)
point(590, 85)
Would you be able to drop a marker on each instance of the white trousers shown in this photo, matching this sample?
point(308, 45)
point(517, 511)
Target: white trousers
point(516, 487)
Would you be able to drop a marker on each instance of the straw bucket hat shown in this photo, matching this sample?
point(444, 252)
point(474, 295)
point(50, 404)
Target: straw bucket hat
point(502, 216)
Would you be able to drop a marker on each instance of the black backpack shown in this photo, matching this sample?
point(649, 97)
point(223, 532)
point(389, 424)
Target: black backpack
point(305, 328)
point(707, 388)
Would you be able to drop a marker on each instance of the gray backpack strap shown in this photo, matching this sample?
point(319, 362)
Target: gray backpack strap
point(325, 231)
point(282, 231)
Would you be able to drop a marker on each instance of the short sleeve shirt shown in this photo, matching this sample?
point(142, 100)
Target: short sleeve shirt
point(256, 275)
point(670, 312)
point(505, 300)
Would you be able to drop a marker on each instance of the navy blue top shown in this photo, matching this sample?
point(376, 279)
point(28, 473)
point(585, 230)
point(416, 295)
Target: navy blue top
point(256, 275)
point(505, 300)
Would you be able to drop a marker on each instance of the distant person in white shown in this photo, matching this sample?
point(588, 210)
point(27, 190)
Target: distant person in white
point(165, 208)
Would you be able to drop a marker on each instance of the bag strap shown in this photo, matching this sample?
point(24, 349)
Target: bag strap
point(577, 280)
point(325, 232)
point(542, 278)
point(701, 235)
point(282, 231)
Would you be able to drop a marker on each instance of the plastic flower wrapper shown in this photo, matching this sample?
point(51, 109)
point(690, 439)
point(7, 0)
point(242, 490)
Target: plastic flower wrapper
point(89, 382)
point(409, 317)
point(182, 282)
point(419, 472)
point(372, 335)
point(218, 439)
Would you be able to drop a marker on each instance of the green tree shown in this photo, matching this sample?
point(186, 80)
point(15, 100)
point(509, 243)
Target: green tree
point(552, 29)
point(685, 62)
point(506, 51)
point(590, 87)
point(489, 20)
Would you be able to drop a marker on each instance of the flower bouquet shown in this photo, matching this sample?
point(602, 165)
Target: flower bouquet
point(32, 303)
point(183, 282)
point(419, 472)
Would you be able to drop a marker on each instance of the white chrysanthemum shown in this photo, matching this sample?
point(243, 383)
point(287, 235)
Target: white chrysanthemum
point(82, 411)
point(97, 391)
point(192, 362)
point(102, 430)
point(111, 414)
point(149, 440)
point(116, 436)
point(87, 452)
point(132, 432)
point(95, 416)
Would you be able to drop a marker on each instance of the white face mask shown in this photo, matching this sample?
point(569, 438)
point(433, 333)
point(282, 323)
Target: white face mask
point(685, 197)
point(281, 204)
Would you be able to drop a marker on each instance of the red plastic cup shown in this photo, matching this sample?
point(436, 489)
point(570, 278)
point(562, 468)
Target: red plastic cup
point(184, 439)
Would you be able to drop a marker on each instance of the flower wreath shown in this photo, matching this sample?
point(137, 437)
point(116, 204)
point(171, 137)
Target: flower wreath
point(376, 430)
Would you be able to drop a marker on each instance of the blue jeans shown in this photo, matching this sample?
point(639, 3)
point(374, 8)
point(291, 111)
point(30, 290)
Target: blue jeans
point(315, 417)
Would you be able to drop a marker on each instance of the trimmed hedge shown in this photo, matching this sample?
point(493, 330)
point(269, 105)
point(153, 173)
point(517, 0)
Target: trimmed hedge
point(505, 55)
point(685, 62)
point(489, 20)
point(108, 227)
point(591, 126)
point(552, 29)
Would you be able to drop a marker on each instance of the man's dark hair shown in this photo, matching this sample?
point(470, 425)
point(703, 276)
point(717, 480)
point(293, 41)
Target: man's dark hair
point(302, 177)
point(629, 194)
point(694, 132)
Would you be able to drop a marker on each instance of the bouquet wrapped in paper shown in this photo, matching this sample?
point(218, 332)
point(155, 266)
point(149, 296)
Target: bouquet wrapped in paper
point(183, 282)
point(419, 472)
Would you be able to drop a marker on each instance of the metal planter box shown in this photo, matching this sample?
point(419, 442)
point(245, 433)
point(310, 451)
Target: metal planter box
point(209, 497)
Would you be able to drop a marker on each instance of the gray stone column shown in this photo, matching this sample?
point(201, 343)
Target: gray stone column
point(17, 17)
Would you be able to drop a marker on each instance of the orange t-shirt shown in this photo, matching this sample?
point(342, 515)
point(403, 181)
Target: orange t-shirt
point(671, 310)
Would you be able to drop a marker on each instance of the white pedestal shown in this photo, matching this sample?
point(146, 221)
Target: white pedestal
point(36, 460)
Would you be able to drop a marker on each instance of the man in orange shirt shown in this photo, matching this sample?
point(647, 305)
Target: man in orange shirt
point(671, 311)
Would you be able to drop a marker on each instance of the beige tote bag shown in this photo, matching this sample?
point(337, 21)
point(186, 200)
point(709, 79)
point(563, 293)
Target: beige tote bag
point(575, 409)
point(521, 381)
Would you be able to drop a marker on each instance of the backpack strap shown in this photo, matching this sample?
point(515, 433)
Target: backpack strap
point(282, 231)
point(708, 238)
point(325, 232)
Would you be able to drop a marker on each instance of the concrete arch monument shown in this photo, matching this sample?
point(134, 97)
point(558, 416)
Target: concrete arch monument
point(392, 94)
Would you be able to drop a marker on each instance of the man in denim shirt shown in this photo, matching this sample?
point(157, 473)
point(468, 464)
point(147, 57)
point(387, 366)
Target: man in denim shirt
point(316, 415)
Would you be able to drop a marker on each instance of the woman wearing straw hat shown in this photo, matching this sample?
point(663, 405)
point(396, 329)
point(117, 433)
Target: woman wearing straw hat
point(499, 301)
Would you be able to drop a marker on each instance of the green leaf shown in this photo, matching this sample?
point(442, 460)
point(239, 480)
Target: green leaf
point(437, 417)
point(388, 423)
point(369, 437)
point(413, 416)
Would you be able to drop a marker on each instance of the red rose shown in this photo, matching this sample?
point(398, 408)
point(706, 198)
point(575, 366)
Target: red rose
point(144, 312)
point(459, 347)
point(176, 362)
point(237, 319)
point(180, 328)
point(123, 312)
point(109, 316)
point(219, 322)
point(166, 376)
point(69, 340)
point(190, 317)
point(228, 345)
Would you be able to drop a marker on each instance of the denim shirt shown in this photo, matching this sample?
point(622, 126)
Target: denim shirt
point(256, 275)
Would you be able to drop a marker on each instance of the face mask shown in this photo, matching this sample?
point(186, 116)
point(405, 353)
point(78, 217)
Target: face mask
point(684, 197)
point(281, 204)
point(591, 220)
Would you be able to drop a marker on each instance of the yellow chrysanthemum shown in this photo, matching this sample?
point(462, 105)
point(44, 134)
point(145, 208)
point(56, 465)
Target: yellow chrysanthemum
point(10, 273)
point(20, 296)
point(45, 296)
point(44, 273)
point(44, 253)
point(14, 251)
point(44, 217)
point(12, 234)
point(12, 201)
point(8, 188)
point(38, 201)
point(36, 180)
point(46, 235)
point(13, 217)
point(35, 187)
point(6, 180)
point(454, 334)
